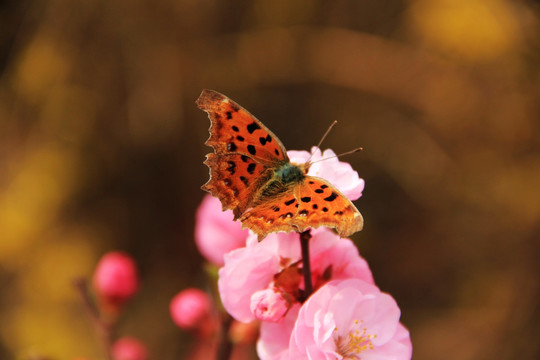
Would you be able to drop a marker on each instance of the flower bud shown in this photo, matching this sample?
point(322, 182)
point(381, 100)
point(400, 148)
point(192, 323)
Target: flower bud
point(129, 348)
point(269, 305)
point(189, 308)
point(115, 278)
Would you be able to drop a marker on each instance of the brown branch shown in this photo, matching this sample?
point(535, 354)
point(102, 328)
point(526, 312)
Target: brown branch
point(306, 268)
point(103, 328)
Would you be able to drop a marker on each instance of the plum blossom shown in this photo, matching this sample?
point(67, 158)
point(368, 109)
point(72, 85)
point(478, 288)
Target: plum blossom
point(269, 305)
point(275, 264)
point(190, 307)
point(129, 348)
point(338, 173)
point(349, 319)
point(274, 338)
point(115, 278)
point(216, 233)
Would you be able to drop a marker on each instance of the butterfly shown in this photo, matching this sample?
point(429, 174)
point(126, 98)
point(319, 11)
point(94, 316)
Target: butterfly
point(251, 174)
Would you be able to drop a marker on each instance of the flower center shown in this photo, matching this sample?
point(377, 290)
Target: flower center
point(356, 341)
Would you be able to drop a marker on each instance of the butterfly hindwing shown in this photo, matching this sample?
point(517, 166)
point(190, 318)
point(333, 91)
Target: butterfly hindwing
point(235, 130)
point(311, 203)
point(276, 214)
point(321, 204)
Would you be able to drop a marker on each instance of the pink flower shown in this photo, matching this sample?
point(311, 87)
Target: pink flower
point(115, 278)
point(269, 305)
point(216, 233)
point(189, 308)
point(275, 264)
point(128, 348)
point(338, 173)
point(349, 319)
point(273, 343)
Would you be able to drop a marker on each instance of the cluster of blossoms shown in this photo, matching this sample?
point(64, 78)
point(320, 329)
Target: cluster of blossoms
point(346, 317)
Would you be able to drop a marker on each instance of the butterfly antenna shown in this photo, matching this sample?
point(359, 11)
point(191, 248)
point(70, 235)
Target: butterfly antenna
point(340, 155)
point(323, 137)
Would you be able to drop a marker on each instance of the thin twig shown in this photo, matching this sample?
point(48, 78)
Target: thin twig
point(103, 328)
point(225, 345)
point(306, 267)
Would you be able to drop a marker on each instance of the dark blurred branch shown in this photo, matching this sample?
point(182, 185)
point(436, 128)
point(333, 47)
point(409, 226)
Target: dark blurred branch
point(102, 327)
point(225, 346)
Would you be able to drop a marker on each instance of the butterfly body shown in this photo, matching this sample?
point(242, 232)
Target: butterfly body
point(251, 174)
point(284, 177)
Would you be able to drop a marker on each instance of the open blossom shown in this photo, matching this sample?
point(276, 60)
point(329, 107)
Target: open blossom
point(349, 319)
point(338, 173)
point(216, 233)
point(275, 264)
point(274, 338)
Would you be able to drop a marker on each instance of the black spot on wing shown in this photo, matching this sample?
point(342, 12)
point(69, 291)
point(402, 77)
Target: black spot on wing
point(319, 191)
point(231, 167)
point(244, 180)
point(240, 138)
point(287, 215)
point(332, 197)
point(235, 128)
point(252, 127)
point(289, 202)
point(306, 199)
point(251, 149)
point(231, 146)
point(264, 140)
point(229, 115)
point(245, 158)
point(251, 168)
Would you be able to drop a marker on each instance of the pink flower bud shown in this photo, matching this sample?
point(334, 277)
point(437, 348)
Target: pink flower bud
point(269, 305)
point(128, 348)
point(190, 308)
point(115, 278)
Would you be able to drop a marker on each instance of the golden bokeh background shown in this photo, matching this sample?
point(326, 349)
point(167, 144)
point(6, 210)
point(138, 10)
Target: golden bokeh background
point(101, 148)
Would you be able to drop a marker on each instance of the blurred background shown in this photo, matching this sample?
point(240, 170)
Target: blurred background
point(101, 148)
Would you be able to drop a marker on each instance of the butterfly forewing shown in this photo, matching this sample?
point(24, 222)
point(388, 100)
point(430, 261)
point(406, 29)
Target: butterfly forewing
point(234, 180)
point(234, 130)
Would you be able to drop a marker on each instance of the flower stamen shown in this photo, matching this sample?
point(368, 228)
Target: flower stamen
point(355, 342)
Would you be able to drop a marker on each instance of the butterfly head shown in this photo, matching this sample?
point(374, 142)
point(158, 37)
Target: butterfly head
point(291, 173)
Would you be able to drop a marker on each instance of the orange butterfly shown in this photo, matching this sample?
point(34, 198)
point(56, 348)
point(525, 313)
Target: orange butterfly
point(251, 174)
